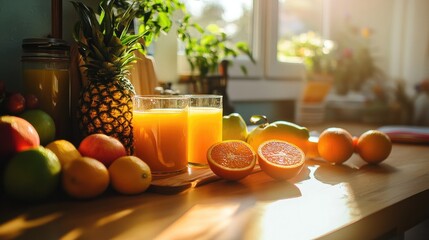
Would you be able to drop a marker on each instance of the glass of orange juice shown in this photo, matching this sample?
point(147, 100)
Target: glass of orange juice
point(205, 126)
point(160, 128)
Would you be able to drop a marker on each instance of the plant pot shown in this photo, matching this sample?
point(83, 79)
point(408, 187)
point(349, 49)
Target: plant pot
point(214, 84)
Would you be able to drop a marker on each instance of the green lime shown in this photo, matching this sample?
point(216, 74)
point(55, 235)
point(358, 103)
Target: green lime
point(43, 123)
point(32, 175)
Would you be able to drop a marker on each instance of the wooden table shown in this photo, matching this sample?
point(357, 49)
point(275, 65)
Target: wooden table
point(350, 201)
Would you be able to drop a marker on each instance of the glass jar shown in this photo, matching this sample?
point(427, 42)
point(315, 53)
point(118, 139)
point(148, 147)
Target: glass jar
point(45, 66)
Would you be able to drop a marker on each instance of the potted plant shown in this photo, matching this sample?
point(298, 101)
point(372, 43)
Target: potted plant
point(316, 54)
point(208, 51)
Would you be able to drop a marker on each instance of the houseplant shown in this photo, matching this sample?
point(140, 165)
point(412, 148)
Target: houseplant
point(153, 17)
point(316, 54)
point(355, 63)
point(205, 49)
point(106, 46)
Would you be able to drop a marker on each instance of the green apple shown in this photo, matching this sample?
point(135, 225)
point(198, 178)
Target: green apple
point(234, 127)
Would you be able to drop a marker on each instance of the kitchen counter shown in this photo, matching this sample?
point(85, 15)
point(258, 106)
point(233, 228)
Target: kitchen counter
point(349, 201)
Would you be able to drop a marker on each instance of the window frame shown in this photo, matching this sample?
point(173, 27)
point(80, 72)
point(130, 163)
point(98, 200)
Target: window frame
point(265, 35)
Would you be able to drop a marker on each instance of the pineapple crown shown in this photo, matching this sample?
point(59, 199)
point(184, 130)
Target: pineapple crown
point(104, 41)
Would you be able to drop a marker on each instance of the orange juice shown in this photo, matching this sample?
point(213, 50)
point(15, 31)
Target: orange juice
point(205, 129)
point(45, 66)
point(161, 138)
point(52, 88)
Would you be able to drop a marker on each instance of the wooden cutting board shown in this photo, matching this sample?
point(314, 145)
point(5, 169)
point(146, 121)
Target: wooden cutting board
point(193, 177)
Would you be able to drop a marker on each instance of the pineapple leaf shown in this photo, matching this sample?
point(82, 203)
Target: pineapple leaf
point(105, 42)
point(125, 21)
point(106, 19)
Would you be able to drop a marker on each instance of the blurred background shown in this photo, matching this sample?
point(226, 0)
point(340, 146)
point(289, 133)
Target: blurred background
point(315, 60)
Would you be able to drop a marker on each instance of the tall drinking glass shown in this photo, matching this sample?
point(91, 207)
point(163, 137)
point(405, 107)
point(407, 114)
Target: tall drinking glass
point(205, 126)
point(160, 125)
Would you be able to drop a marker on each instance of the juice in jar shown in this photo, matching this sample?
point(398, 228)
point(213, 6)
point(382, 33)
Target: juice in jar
point(52, 88)
point(45, 66)
point(161, 139)
point(205, 129)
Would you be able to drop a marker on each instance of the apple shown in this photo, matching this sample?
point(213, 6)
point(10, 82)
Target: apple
point(102, 147)
point(17, 135)
point(31, 101)
point(234, 127)
point(15, 103)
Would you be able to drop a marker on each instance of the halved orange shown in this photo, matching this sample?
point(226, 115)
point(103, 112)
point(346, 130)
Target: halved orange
point(280, 159)
point(231, 159)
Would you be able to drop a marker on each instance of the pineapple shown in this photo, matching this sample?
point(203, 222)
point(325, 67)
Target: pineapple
point(105, 103)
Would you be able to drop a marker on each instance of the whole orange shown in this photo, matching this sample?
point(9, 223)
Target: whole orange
point(105, 149)
point(85, 177)
point(374, 146)
point(335, 145)
point(312, 151)
point(130, 175)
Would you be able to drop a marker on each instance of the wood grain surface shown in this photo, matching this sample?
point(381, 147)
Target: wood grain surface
point(349, 201)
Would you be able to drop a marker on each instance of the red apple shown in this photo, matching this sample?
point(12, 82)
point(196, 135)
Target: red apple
point(31, 101)
point(15, 103)
point(16, 135)
point(105, 149)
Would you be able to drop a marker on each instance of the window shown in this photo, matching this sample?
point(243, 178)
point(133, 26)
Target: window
point(234, 17)
point(295, 18)
point(265, 25)
point(289, 18)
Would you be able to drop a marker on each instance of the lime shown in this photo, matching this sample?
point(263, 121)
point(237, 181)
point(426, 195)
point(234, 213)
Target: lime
point(43, 123)
point(32, 175)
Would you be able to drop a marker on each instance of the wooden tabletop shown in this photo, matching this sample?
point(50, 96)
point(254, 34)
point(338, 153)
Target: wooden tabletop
point(349, 201)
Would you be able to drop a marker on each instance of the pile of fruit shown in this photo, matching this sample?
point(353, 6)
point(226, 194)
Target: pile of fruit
point(34, 172)
point(27, 107)
point(15, 103)
point(282, 147)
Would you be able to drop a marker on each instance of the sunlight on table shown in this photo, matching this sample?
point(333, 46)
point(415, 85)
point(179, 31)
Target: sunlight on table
point(201, 220)
point(331, 206)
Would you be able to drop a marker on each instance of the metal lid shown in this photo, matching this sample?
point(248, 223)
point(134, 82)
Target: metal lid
point(49, 48)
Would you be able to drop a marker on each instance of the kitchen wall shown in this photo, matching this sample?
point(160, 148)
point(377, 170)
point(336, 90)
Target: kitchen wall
point(400, 36)
point(27, 19)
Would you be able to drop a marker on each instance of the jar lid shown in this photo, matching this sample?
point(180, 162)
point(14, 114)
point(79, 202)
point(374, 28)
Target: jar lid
point(50, 48)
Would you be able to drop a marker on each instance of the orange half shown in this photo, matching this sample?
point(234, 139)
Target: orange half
point(280, 159)
point(231, 159)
